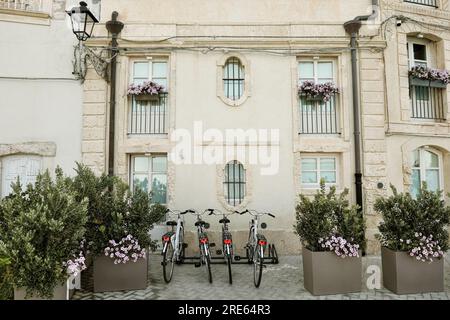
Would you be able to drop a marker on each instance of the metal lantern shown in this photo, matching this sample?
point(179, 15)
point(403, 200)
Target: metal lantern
point(83, 21)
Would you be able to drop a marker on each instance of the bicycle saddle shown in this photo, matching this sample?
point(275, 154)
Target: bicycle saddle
point(200, 223)
point(171, 223)
point(224, 220)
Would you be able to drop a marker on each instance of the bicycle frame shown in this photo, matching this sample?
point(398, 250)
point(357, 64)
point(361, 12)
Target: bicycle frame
point(174, 237)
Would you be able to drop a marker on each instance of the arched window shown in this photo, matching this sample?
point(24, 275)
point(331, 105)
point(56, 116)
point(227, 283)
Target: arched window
point(234, 183)
point(233, 79)
point(426, 167)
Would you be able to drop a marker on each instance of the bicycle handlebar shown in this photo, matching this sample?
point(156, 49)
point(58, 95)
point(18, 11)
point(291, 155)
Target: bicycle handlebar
point(256, 213)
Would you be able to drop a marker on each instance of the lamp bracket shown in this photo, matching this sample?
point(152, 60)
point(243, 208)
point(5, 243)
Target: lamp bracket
point(85, 56)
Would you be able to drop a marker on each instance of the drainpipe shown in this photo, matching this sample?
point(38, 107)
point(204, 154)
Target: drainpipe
point(114, 27)
point(352, 28)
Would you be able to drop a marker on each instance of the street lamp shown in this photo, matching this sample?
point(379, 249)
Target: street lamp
point(83, 21)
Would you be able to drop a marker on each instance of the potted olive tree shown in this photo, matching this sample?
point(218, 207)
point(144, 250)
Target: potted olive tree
point(332, 235)
point(118, 228)
point(42, 228)
point(414, 239)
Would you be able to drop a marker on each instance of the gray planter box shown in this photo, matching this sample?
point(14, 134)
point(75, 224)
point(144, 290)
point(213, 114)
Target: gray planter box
point(308, 97)
point(426, 83)
point(147, 97)
point(325, 273)
point(116, 277)
point(403, 274)
point(61, 292)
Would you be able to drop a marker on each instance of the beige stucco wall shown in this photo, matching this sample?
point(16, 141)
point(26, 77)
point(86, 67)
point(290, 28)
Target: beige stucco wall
point(40, 106)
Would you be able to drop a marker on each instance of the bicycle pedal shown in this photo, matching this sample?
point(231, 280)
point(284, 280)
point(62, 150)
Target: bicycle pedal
point(185, 245)
point(212, 244)
point(197, 265)
point(218, 252)
point(237, 258)
point(162, 263)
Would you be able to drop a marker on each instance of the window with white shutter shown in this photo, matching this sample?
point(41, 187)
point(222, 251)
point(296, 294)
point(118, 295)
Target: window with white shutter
point(24, 167)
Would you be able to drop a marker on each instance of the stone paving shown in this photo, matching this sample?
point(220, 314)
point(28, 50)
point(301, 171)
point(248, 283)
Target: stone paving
point(282, 281)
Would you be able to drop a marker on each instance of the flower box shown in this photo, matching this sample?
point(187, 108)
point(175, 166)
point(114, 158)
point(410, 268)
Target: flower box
point(122, 276)
point(309, 97)
point(427, 83)
point(62, 292)
point(147, 97)
point(403, 274)
point(325, 273)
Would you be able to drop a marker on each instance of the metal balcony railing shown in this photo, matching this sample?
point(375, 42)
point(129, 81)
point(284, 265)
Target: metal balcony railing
point(318, 117)
point(427, 102)
point(148, 117)
point(429, 3)
point(23, 5)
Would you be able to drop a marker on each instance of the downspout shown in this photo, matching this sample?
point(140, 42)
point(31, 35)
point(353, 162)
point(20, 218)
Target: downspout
point(114, 27)
point(352, 27)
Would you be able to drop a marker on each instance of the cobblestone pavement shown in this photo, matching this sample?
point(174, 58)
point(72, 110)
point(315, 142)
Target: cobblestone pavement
point(281, 281)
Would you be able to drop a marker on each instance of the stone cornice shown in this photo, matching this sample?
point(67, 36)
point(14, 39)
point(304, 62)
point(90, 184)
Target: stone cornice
point(45, 149)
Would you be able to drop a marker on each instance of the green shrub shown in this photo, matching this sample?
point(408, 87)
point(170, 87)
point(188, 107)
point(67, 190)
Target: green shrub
point(6, 287)
point(407, 220)
point(329, 216)
point(41, 229)
point(113, 211)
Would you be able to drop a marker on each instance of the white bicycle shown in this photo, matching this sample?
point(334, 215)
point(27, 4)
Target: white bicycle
point(173, 245)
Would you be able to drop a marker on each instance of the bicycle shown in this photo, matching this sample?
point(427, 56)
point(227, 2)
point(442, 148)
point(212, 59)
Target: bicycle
point(203, 243)
point(173, 246)
point(256, 244)
point(227, 242)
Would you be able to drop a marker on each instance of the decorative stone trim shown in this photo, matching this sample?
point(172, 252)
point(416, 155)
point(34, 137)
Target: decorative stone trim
point(407, 148)
point(45, 149)
point(247, 86)
point(248, 187)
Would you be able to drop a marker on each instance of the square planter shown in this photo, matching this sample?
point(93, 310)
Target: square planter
point(147, 97)
point(61, 292)
point(325, 273)
point(116, 277)
point(427, 83)
point(403, 274)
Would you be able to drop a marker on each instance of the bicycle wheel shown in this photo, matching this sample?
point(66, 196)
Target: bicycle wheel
point(168, 262)
point(249, 248)
point(258, 261)
point(208, 266)
point(230, 277)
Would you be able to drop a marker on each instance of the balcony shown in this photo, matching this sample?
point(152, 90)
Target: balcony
point(429, 3)
point(23, 5)
point(148, 117)
point(318, 117)
point(427, 102)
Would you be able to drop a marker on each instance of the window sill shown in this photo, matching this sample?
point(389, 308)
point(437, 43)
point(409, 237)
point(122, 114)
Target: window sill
point(27, 17)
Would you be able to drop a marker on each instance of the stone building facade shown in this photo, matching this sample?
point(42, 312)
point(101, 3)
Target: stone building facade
point(237, 65)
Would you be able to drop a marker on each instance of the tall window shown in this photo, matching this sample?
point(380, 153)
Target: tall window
point(417, 54)
point(234, 183)
point(426, 167)
point(317, 117)
point(26, 168)
point(155, 70)
point(149, 173)
point(317, 71)
point(315, 168)
point(149, 117)
point(233, 79)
